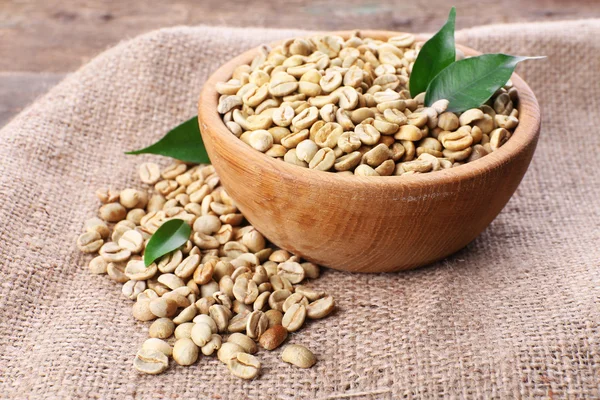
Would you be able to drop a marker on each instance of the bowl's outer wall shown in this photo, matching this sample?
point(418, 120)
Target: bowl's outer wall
point(367, 224)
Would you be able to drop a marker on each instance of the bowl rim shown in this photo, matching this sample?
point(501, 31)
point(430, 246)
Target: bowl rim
point(211, 123)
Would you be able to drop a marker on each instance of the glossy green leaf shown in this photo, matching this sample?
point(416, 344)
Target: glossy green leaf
point(435, 55)
point(182, 142)
point(470, 82)
point(169, 237)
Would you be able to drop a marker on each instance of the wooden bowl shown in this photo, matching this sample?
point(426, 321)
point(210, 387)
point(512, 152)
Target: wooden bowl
point(367, 224)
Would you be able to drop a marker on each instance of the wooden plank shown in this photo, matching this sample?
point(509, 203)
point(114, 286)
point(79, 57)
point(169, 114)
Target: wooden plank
point(18, 89)
point(54, 36)
point(57, 36)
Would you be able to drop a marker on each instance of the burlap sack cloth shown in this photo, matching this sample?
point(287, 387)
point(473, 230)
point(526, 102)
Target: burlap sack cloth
point(514, 315)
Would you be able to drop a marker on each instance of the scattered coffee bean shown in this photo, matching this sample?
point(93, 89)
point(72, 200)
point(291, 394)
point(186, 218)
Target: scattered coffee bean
point(294, 317)
point(97, 225)
point(162, 328)
point(244, 366)
point(299, 356)
point(158, 345)
point(137, 270)
point(112, 212)
point(149, 173)
point(107, 195)
point(320, 308)
point(185, 352)
point(244, 341)
point(278, 298)
point(112, 252)
point(221, 315)
point(239, 322)
point(141, 311)
point(205, 319)
point(275, 317)
point(186, 315)
point(273, 337)
point(201, 334)
point(292, 271)
point(226, 278)
point(309, 293)
point(132, 198)
point(98, 265)
point(116, 272)
point(151, 361)
point(132, 288)
point(257, 324)
point(212, 345)
point(163, 307)
point(296, 298)
point(184, 331)
point(89, 242)
point(228, 350)
point(132, 240)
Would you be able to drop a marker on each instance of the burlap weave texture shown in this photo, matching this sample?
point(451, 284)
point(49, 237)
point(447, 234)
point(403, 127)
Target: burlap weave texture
point(514, 315)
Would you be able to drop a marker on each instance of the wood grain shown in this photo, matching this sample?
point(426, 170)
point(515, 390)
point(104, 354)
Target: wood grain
point(58, 36)
point(17, 89)
point(367, 224)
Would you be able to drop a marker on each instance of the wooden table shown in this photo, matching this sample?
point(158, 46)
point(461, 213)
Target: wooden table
point(43, 40)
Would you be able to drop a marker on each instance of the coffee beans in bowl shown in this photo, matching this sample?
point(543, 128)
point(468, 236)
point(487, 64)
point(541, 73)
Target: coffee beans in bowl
point(343, 105)
point(376, 223)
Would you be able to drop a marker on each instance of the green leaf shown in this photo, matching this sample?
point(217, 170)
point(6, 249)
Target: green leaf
point(170, 236)
point(182, 142)
point(435, 55)
point(470, 82)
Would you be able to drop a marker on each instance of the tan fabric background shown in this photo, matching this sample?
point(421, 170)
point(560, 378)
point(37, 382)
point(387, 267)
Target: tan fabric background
point(514, 315)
